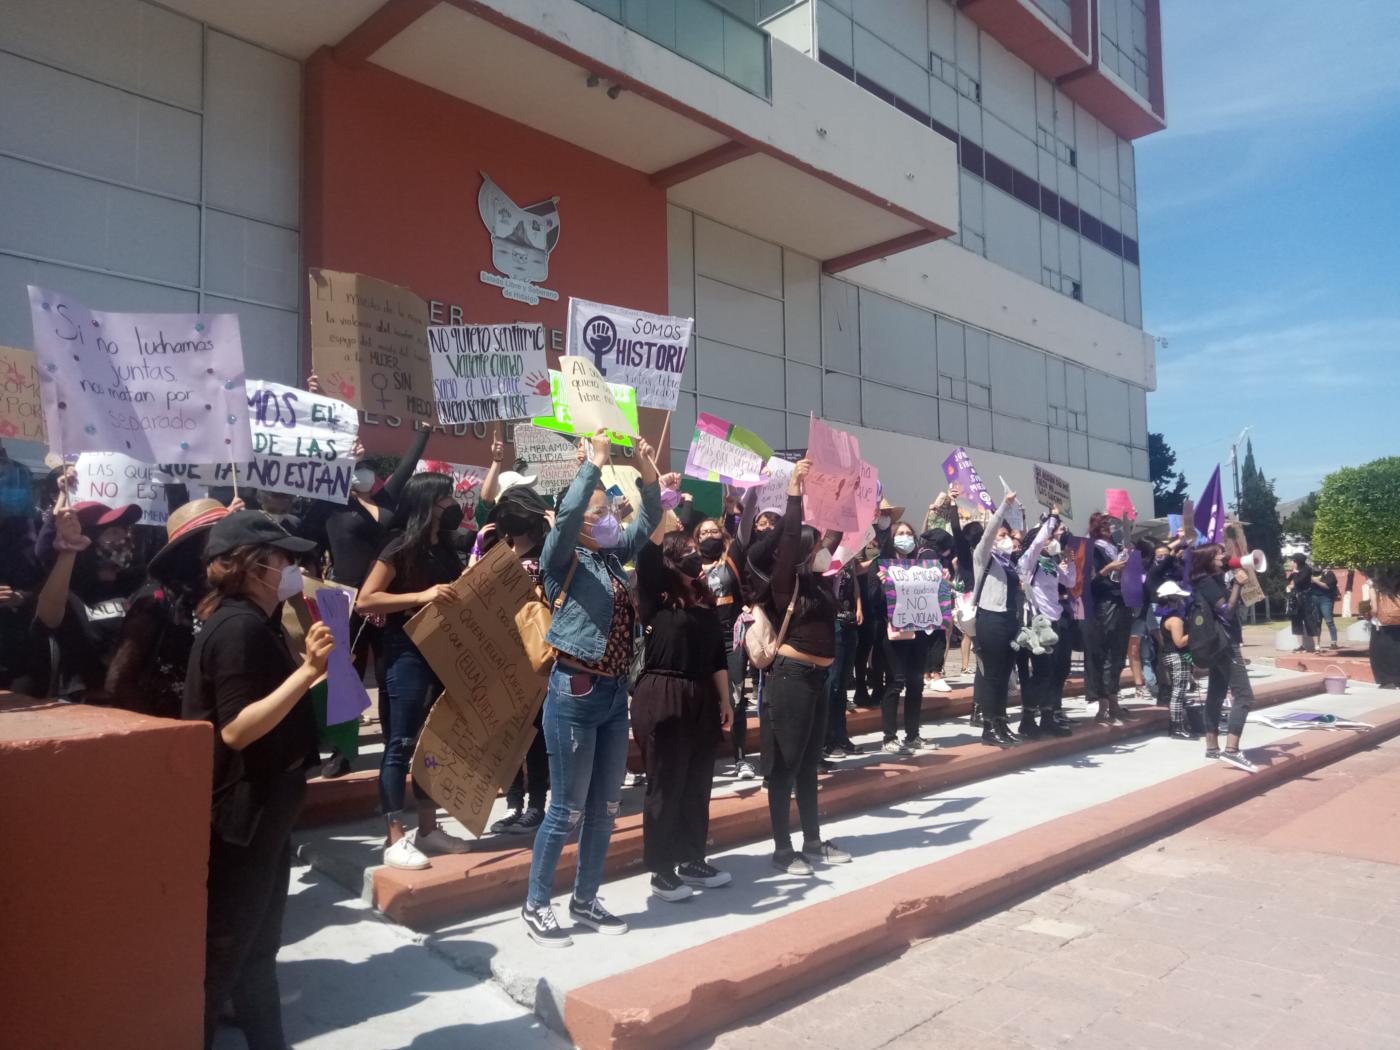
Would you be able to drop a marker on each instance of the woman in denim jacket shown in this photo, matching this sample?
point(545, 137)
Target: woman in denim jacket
point(585, 707)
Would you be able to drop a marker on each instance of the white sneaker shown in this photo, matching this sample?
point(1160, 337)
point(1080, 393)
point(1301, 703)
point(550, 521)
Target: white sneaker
point(439, 841)
point(940, 685)
point(404, 854)
point(894, 747)
point(744, 770)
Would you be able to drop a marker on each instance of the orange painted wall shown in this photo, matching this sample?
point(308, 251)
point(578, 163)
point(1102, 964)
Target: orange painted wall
point(104, 816)
point(391, 171)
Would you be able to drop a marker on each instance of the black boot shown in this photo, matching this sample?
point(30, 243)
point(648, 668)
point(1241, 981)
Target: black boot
point(1003, 733)
point(1028, 728)
point(990, 738)
point(1050, 725)
point(976, 719)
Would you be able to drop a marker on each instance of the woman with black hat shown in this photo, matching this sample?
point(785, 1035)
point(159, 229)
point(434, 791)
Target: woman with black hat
point(244, 679)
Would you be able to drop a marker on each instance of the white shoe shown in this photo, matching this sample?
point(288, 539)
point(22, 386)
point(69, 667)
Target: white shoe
point(439, 841)
point(939, 685)
point(404, 854)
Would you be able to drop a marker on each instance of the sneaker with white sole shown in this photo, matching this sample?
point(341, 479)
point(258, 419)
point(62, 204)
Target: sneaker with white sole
point(789, 862)
point(940, 685)
point(703, 874)
point(543, 927)
point(826, 853)
point(667, 886)
point(918, 743)
point(743, 770)
point(1238, 760)
point(595, 916)
point(405, 855)
point(439, 841)
point(894, 747)
point(506, 825)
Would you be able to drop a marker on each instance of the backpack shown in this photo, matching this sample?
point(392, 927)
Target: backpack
point(760, 640)
point(1207, 639)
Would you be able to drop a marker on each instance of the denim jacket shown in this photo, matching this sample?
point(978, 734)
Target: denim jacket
point(580, 626)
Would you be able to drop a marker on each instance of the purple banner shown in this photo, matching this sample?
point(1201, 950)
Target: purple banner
point(346, 696)
point(958, 468)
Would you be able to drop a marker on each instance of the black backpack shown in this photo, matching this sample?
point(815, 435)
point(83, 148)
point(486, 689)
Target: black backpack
point(1208, 639)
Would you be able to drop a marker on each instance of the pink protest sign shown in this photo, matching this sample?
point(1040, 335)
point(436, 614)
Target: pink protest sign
point(1118, 504)
point(830, 500)
point(958, 468)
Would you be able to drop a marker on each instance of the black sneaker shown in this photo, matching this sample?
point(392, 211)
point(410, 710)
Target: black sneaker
point(791, 863)
point(826, 853)
point(851, 747)
point(700, 873)
point(335, 766)
point(835, 752)
point(544, 928)
point(594, 915)
point(528, 822)
point(507, 824)
point(668, 887)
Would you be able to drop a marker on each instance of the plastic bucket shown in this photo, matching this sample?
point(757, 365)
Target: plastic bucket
point(1334, 683)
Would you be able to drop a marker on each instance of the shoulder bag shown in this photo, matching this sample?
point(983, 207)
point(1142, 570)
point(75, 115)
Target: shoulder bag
point(760, 642)
point(534, 620)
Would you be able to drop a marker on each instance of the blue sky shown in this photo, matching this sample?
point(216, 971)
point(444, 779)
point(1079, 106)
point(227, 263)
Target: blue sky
point(1270, 236)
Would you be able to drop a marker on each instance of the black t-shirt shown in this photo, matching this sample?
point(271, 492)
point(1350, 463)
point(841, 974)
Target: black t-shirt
point(239, 656)
point(148, 667)
point(417, 572)
point(1329, 580)
point(689, 642)
point(1216, 593)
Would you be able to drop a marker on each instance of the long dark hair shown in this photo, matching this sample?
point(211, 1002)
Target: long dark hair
point(228, 576)
point(680, 589)
point(1203, 561)
point(813, 595)
point(413, 518)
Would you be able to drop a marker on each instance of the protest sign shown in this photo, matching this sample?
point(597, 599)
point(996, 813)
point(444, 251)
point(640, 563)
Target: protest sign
point(302, 442)
point(707, 497)
point(1051, 490)
point(116, 480)
point(489, 372)
point(21, 409)
point(551, 458)
point(1188, 521)
point(1016, 513)
point(1173, 524)
point(466, 480)
point(958, 468)
point(480, 728)
point(1132, 579)
point(346, 696)
point(563, 420)
point(632, 348)
point(621, 481)
point(1118, 504)
point(155, 387)
point(1236, 546)
point(911, 593)
point(829, 497)
point(773, 494)
point(369, 344)
point(723, 452)
point(590, 399)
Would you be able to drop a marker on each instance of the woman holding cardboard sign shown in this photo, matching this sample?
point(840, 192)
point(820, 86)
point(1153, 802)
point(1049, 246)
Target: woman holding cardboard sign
point(585, 707)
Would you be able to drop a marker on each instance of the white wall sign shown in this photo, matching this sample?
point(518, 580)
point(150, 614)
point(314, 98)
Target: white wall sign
point(484, 373)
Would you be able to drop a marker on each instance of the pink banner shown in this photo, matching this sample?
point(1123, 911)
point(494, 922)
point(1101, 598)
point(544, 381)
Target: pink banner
point(1118, 504)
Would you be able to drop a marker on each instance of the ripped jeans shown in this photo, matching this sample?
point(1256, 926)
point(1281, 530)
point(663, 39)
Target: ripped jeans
point(585, 729)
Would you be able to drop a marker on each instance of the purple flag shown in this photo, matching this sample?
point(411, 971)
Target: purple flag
point(1210, 511)
point(958, 467)
point(346, 696)
point(1132, 581)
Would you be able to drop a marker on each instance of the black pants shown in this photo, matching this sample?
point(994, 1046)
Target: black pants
point(535, 772)
point(247, 896)
point(995, 630)
point(937, 651)
point(738, 699)
point(911, 656)
point(1106, 651)
point(1229, 676)
point(676, 724)
point(1064, 653)
point(1038, 688)
point(877, 669)
point(793, 723)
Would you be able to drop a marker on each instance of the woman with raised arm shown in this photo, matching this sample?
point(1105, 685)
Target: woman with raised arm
point(1220, 594)
point(997, 591)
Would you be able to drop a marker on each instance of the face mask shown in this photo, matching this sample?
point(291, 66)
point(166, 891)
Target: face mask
point(882, 522)
point(288, 582)
point(904, 544)
point(1005, 546)
point(451, 520)
point(606, 531)
point(363, 479)
point(690, 566)
point(711, 549)
point(821, 560)
point(117, 555)
point(1052, 549)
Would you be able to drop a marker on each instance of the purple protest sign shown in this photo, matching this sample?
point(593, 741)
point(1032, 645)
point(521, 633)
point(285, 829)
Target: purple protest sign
point(1132, 581)
point(958, 468)
point(345, 696)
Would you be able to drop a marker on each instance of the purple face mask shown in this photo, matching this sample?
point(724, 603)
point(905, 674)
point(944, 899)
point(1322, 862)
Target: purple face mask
point(606, 531)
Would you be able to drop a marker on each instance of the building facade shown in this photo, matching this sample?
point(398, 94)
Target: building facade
point(914, 218)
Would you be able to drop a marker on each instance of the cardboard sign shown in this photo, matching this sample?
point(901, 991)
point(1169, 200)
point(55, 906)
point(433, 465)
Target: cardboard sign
point(116, 480)
point(155, 387)
point(773, 495)
point(551, 458)
point(829, 497)
point(480, 728)
point(958, 468)
point(369, 344)
point(297, 617)
point(911, 594)
point(302, 442)
point(1236, 546)
point(21, 408)
point(1051, 491)
point(1188, 521)
point(489, 372)
point(466, 481)
point(644, 351)
point(563, 422)
point(723, 452)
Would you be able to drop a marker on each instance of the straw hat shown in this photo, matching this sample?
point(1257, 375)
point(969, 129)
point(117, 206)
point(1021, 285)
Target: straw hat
point(194, 518)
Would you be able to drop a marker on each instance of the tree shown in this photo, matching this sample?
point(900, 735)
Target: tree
point(1168, 484)
point(1303, 518)
point(1259, 510)
point(1357, 518)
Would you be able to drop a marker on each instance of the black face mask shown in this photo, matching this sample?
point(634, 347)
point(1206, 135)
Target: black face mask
point(711, 549)
point(451, 520)
point(690, 566)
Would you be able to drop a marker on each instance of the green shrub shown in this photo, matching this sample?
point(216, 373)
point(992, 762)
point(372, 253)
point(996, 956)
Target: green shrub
point(1358, 517)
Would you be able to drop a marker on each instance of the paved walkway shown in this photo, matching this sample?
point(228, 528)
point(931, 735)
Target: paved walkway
point(1275, 925)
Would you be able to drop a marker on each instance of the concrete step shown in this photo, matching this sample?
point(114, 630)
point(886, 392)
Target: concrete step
point(497, 869)
point(1356, 665)
point(922, 865)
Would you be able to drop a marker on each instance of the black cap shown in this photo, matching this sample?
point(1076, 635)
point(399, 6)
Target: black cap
point(246, 528)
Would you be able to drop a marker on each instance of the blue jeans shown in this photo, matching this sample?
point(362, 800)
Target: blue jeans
point(1324, 607)
point(410, 689)
point(585, 729)
point(847, 635)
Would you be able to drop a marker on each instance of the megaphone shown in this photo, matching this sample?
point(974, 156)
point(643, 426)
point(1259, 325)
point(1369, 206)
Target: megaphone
point(1253, 560)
